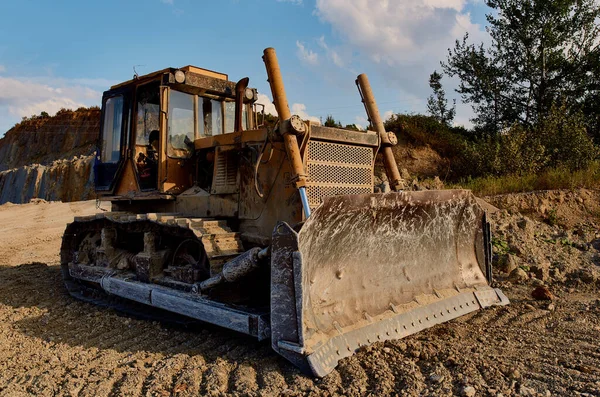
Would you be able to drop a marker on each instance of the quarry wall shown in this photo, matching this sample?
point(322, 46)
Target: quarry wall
point(50, 158)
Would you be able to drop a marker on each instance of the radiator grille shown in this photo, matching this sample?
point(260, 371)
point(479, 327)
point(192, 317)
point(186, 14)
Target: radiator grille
point(337, 169)
point(338, 153)
point(226, 171)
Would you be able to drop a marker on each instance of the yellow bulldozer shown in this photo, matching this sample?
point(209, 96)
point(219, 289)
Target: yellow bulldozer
point(272, 231)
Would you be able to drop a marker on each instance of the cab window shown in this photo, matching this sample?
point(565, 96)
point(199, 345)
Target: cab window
point(148, 112)
point(112, 129)
point(229, 116)
point(180, 125)
point(210, 117)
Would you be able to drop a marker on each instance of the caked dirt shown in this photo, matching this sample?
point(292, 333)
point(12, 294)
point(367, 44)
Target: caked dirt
point(52, 344)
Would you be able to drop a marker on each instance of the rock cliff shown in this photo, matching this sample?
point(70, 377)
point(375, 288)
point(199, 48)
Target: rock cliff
point(50, 158)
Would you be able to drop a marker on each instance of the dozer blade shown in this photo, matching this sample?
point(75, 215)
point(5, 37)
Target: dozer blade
point(374, 267)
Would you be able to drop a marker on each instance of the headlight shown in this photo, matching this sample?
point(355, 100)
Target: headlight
point(180, 76)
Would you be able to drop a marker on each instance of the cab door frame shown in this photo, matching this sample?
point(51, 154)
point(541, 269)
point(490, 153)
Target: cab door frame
point(107, 174)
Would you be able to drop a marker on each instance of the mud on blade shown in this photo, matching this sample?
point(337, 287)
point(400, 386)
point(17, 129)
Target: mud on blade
point(367, 268)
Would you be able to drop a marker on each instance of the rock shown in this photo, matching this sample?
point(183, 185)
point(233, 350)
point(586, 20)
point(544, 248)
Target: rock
point(436, 184)
point(65, 182)
point(415, 353)
point(556, 274)
point(404, 174)
point(518, 275)
point(468, 391)
point(542, 293)
point(527, 391)
point(542, 271)
point(551, 307)
point(526, 225)
point(536, 282)
point(583, 275)
point(511, 263)
point(435, 378)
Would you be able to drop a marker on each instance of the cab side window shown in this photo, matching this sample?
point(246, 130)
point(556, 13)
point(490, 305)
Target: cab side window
point(112, 130)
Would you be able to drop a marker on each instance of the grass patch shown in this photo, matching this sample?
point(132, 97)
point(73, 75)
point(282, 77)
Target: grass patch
point(551, 179)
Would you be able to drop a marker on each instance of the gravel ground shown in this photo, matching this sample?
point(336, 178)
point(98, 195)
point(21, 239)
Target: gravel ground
point(53, 345)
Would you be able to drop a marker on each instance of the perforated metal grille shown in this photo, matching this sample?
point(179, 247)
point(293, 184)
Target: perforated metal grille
point(317, 193)
point(337, 153)
point(338, 174)
point(337, 169)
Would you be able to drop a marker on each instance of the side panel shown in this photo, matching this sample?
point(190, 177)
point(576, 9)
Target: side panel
point(127, 183)
point(280, 201)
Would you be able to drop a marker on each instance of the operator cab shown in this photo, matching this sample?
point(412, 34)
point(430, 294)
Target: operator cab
point(149, 126)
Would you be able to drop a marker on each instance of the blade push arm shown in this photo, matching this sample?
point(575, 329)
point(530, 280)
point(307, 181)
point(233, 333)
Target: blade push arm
point(387, 139)
point(290, 126)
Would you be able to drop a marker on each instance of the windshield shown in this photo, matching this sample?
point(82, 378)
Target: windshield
point(192, 117)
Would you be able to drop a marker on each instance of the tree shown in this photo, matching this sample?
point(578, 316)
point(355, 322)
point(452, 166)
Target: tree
point(542, 53)
point(330, 122)
point(437, 104)
point(351, 127)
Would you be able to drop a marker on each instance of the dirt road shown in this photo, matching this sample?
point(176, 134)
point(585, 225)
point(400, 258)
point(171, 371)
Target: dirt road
point(51, 344)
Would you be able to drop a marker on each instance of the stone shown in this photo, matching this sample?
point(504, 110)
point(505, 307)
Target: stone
point(526, 225)
point(542, 293)
point(511, 263)
point(536, 282)
point(468, 391)
point(436, 378)
point(541, 271)
point(527, 391)
point(518, 275)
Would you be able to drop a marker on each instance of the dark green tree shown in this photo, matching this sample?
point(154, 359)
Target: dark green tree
point(352, 127)
point(437, 104)
point(542, 52)
point(330, 122)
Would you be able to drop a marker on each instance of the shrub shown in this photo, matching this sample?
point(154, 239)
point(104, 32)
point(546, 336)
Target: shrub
point(566, 140)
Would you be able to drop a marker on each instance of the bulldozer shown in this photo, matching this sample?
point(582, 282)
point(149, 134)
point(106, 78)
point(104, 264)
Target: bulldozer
point(271, 230)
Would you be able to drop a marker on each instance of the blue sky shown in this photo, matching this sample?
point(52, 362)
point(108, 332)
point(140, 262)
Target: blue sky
point(64, 54)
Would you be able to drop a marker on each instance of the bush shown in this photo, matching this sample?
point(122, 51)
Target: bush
point(566, 140)
point(558, 142)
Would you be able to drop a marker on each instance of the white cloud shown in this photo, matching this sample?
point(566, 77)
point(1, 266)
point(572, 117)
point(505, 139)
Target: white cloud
point(23, 97)
point(300, 110)
point(2, 68)
point(387, 114)
point(305, 55)
point(266, 101)
point(361, 122)
point(406, 40)
point(396, 33)
point(296, 108)
point(331, 53)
